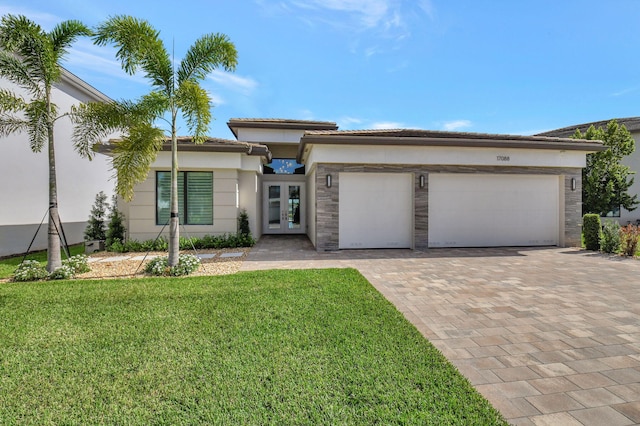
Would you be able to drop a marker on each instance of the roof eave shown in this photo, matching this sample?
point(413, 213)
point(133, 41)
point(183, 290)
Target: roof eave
point(534, 143)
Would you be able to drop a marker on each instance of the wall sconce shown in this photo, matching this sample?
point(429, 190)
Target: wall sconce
point(573, 184)
point(328, 181)
point(422, 181)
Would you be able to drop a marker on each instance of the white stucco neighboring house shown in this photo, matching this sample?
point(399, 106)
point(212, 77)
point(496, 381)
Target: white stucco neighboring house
point(24, 177)
point(632, 124)
point(401, 188)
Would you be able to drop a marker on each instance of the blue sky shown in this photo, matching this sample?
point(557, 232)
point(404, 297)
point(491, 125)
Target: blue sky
point(495, 66)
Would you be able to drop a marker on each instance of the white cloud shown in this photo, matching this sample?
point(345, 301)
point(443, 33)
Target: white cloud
point(45, 20)
point(216, 99)
point(388, 20)
point(451, 126)
point(381, 125)
point(234, 82)
point(346, 123)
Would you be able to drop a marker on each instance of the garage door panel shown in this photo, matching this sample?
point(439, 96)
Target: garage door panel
point(493, 210)
point(375, 210)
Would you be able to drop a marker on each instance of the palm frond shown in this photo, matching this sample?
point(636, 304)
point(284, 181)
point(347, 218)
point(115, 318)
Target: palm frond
point(133, 156)
point(10, 124)
point(207, 53)
point(38, 118)
point(151, 106)
point(195, 104)
point(65, 33)
point(10, 102)
point(19, 73)
point(93, 122)
point(22, 37)
point(139, 46)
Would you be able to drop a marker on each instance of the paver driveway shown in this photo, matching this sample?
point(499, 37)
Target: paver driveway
point(550, 336)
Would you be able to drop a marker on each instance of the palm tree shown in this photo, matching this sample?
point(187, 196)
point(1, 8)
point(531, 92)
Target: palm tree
point(30, 58)
point(174, 90)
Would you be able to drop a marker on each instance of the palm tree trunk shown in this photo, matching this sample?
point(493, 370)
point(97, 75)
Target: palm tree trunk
point(174, 221)
point(54, 259)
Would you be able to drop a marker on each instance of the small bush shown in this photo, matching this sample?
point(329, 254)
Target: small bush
point(116, 246)
point(629, 235)
point(115, 229)
point(78, 263)
point(187, 263)
point(610, 238)
point(591, 230)
point(30, 270)
point(65, 272)
point(243, 223)
point(96, 229)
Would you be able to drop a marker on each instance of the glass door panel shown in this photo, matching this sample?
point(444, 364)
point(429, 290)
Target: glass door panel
point(273, 207)
point(283, 208)
point(293, 216)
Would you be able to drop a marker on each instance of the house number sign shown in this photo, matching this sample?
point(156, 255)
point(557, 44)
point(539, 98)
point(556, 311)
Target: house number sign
point(503, 158)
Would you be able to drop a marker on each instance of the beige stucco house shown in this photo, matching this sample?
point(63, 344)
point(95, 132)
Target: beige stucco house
point(372, 188)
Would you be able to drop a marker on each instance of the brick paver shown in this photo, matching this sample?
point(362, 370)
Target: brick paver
point(548, 335)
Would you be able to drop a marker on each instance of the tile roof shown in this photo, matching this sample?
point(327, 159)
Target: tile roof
point(185, 144)
point(631, 123)
point(278, 123)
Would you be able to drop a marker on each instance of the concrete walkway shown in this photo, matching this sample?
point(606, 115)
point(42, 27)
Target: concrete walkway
point(550, 336)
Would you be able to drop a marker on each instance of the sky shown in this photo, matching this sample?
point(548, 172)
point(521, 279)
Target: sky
point(487, 66)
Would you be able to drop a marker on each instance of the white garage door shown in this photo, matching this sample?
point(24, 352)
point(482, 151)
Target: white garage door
point(375, 210)
point(470, 210)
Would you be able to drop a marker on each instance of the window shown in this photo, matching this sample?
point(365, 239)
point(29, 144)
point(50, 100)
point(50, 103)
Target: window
point(195, 198)
point(614, 213)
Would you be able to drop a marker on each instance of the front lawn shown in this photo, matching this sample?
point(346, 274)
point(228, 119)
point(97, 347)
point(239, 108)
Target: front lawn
point(274, 347)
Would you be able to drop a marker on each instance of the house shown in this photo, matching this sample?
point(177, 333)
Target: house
point(24, 177)
point(371, 188)
point(633, 161)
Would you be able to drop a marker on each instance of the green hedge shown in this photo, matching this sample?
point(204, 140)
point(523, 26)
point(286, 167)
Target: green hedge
point(591, 229)
point(206, 242)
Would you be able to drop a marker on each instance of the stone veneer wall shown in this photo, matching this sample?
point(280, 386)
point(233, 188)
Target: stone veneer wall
point(327, 199)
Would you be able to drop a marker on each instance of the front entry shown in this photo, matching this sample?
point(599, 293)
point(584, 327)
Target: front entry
point(283, 208)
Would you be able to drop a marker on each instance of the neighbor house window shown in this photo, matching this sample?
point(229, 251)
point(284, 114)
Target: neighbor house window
point(195, 198)
point(614, 213)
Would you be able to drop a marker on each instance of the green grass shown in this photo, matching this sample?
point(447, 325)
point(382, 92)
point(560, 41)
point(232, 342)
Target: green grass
point(275, 347)
point(9, 265)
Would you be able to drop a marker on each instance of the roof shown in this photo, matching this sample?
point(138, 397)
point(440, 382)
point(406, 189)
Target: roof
point(631, 123)
point(414, 137)
point(83, 86)
point(185, 144)
point(279, 123)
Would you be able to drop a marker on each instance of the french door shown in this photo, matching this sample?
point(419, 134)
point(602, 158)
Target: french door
point(283, 208)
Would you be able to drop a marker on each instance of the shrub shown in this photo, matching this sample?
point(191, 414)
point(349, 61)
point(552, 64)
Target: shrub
point(243, 223)
point(591, 229)
point(629, 235)
point(187, 263)
point(78, 263)
point(188, 243)
point(30, 270)
point(610, 238)
point(64, 272)
point(115, 230)
point(116, 247)
point(96, 229)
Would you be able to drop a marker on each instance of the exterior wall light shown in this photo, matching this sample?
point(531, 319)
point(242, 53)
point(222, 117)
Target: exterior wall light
point(328, 181)
point(422, 181)
point(573, 184)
